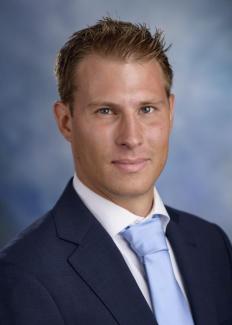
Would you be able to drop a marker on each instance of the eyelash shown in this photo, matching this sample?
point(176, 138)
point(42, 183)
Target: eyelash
point(152, 109)
point(103, 110)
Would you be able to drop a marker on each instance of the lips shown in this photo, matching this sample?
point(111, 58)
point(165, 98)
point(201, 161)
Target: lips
point(130, 165)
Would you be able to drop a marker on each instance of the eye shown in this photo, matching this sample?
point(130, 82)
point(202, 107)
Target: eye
point(104, 111)
point(147, 109)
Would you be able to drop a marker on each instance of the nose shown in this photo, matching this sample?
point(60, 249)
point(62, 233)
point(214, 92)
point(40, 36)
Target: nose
point(129, 132)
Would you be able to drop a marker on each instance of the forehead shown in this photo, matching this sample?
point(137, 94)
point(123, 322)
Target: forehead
point(97, 70)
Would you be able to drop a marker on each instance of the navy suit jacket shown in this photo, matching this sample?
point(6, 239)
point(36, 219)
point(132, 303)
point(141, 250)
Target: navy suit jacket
point(66, 270)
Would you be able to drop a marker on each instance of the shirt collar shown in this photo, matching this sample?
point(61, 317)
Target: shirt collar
point(113, 217)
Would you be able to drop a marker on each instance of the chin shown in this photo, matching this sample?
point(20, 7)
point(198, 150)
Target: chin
point(132, 188)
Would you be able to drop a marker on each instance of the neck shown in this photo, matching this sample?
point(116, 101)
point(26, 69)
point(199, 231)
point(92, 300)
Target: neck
point(140, 206)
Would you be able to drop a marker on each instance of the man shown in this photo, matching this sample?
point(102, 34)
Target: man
point(75, 265)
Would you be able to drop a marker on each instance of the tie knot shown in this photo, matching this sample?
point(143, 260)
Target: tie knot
point(146, 237)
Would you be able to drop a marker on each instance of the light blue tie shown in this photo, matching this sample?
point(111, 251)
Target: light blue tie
point(147, 240)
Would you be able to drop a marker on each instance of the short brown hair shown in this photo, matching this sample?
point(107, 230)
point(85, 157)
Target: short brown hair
point(114, 38)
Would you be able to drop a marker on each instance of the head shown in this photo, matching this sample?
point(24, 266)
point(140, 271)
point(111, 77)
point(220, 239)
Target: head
point(116, 109)
point(114, 39)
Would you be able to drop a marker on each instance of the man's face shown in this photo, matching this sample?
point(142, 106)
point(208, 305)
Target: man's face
point(120, 127)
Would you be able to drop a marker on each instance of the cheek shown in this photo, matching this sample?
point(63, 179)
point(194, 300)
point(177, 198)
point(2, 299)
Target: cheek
point(158, 135)
point(81, 142)
point(91, 144)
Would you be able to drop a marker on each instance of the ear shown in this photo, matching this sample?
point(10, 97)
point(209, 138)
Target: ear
point(63, 119)
point(171, 100)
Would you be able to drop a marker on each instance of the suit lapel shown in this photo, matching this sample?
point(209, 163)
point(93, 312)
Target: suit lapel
point(192, 263)
point(99, 263)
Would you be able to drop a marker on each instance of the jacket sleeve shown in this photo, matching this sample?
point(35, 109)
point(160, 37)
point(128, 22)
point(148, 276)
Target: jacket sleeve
point(24, 300)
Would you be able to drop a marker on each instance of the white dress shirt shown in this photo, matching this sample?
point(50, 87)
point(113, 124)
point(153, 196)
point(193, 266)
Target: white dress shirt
point(114, 219)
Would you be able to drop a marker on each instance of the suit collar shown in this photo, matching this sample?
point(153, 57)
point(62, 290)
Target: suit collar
point(98, 261)
point(72, 218)
point(193, 264)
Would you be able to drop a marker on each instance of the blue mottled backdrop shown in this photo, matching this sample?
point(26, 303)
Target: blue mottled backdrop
point(35, 161)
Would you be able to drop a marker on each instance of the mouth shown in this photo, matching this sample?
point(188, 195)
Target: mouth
point(131, 165)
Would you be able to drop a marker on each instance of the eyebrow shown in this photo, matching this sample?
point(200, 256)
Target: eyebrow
point(102, 103)
point(151, 102)
point(112, 104)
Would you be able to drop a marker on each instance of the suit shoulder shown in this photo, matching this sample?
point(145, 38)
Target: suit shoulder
point(186, 217)
point(36, 245)
point(196, 224)
point(30, 236)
